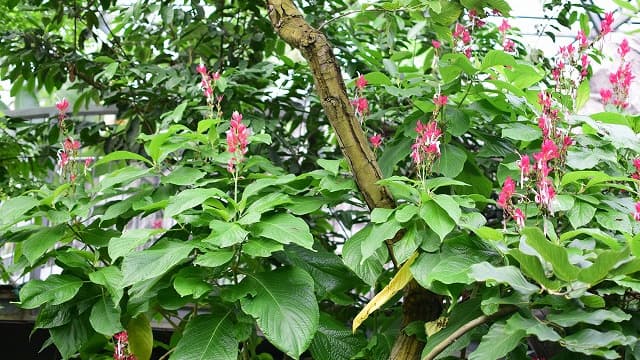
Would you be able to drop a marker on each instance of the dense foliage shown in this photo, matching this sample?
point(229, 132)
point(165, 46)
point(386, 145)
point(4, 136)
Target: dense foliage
point(517, 210)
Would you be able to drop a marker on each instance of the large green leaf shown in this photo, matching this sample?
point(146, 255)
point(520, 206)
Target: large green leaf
point(111, 278)
point(580, 214)
point(334, 341)
point(70, 338)
point(152, 262)
point(41, 241)
point(129, 241)
point(509, 275)
point(183, 176)
point(498, 342)
point(262, 205)
point(556, 255)
point(437, 218)
point(124, 175)
point(190, 198)
point(12, 210)
point(207, 337)
point(605, 262)
point(497, 57)
point(593, 342)
point(122, 155)
point(140, 337)
point(105, 317)
point(56, 289)
point(571, 317)
point(378, 235)
point(284, 306)
point(285, 228)
point(225, 234)
point(452, 161)
point(368, 269)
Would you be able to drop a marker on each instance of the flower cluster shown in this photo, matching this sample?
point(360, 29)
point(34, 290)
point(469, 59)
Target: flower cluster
point(121, 350)
point(620, 80)
point(504, 202)
point(208, 84)
point(360, 103)
point(237, 141)
point(507, 44)
point(68, 157)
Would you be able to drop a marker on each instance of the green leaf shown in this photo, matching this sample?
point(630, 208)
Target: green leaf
point(531, 266)
point(284, 306)
point(368, 269)
point(406, 212)
point(12, 210)
point(129, 241)
point(377, 78)
point(449, 205)
point(111, 278)
point(497, 57)
point(614, 221)
point(70, 338)
point(593, 342)
point(225, 234)
point(55, 290)
point(452, 161)
point(261, 247)
point(262, 205)
point(41, 241)
point(532, 327)
point(332, 166)
point(190, 198)
point(571, 317)
point(260, 184)
point(583, 94)
point(183, 176)
point(498, 342)
point(509, 275)
point(556, 255)
point(122, 155)
point(436, 218)
point(600, 268)
point(105, 317)
point(124, 175)
point(461, 315)
point(522, 132)
point(581, 214)
point(152, 262)
point(594, 233)
point(140, 337)
point(190, 281)
point(214, 258)
point(285, 228)
point(207, 337)
point(334, 341)
point(380, 215)
point(378, 235)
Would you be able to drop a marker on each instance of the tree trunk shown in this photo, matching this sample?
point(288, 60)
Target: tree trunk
point(290, 25)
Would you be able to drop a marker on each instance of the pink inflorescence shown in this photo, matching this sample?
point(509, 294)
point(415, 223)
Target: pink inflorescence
point(375, 140)
point(121, 349)
point(427, 144)
point(620, 80)
point(237, 141)
point(605, 25)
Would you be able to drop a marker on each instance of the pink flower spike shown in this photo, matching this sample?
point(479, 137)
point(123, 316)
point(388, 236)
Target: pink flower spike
point(87, 162)
point(636, 214)
point(605, 25)
point(636, 164)
point(582, 39)
point(509, 45)
point(201, 69)
point(361, 104)
point(361, 82)
point(62, 105)
point(216, 76)
point(508, 189)
point(605, 95)
point(624, 48)
point(525, 167)
point(549, 150)
point(440, 100)
point(504, 26)
point(436, 44)
point(157, 224)
point(375, 140)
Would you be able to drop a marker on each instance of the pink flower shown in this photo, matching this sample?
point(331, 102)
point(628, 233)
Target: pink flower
point(509, 45)
point(518, 216)
point(545, 192)
point(624, 48)
point(525, 167)
point(237, 135)
point(62, 105)
point(87, 162)
point(549, 150)
point(436, 44)
point(460, 32)
point(544, 99)
point(566, 142)
point(216, 76)
point(361, 82)
point(544, 123)
point(440, 100)
point(582, 39)
point(375, 140)
point(508, 189)
point(70, 144)
point(467, 52)
point(201, 69)
point(605, 95)
point(636, 164)
point(361, 104)
point(605, 25)
point(636, 214)
point(504, 26)
point(157, 224)
point(63, 159)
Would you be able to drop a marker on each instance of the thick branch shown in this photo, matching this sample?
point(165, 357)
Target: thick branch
point(292, 28)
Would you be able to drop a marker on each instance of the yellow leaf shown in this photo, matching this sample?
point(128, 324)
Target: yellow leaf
point(399, 281)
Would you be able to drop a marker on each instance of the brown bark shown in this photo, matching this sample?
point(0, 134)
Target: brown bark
point(290, 25)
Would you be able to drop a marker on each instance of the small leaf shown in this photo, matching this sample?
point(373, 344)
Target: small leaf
point(129, 241)
point(12, 210)
point(140, 337)
point(332, 166)
point(41, 241)
point(451, 163)
point(497, 57)
point(368, 269)
point(214, 258)
point(554, 254)
point(498, 342)
point(572, 317)
point(190, 198)
point(122, 155)
point(183, 176)
point(225, 234)
point(111, 278)
point(334, 341)
point(522, 132)
point(437, 218)
point(152, 262)
point(580, 214)
point(55, 290)
point(105, 317)
point(378, 235)
point(509, 275)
